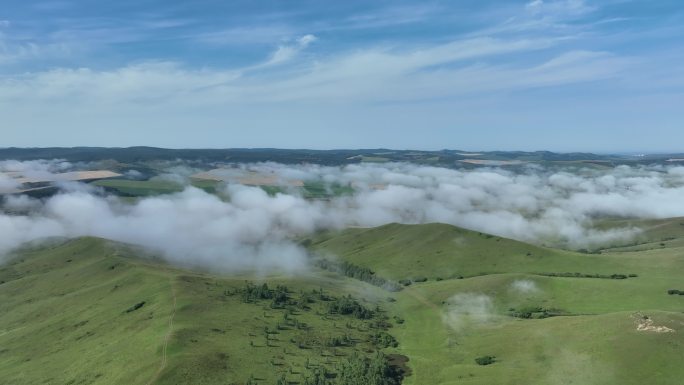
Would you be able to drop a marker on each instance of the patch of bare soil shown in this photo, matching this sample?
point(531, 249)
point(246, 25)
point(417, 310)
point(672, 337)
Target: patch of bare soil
point(645, 323)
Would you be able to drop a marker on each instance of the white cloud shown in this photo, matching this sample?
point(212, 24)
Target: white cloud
point(534, 5)
point(525, 286)
point(468, 309)
point(13, 52)
point(287, 52)
point(305, 40)
point(245, 35)
point(558, 8)
point(8, 184)
point(254, 230)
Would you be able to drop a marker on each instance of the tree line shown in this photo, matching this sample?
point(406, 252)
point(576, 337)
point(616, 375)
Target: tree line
point(357, 272)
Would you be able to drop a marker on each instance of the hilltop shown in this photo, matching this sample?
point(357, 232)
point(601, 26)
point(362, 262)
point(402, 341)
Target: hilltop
point(442, 251)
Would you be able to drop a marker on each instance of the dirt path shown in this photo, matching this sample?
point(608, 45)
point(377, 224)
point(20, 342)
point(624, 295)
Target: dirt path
point(421, 299)
point(167, 337)
point(10, 331)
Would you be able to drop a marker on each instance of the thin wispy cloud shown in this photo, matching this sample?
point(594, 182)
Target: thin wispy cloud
point(368, 76)
point(559, 8)
point(245, 35)
point(287, 52)
point(398, 15)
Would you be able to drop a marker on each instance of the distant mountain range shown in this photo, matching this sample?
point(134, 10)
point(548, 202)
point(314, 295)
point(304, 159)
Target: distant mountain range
point(331, 157)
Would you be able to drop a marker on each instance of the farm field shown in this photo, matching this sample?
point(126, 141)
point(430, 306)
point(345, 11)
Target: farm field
point(144, 188)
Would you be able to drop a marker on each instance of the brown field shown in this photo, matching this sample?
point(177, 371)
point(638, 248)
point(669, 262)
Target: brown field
point(248, 178)
point(485, 162)
point(28, 183)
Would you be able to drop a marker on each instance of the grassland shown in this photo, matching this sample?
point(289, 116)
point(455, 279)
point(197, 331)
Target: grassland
point(64, 319)
point(654, 234)
point(68, 315)
point(439, 251)
point(451, 321)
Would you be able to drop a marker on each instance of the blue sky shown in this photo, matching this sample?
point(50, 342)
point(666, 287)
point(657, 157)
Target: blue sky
point(564, 75)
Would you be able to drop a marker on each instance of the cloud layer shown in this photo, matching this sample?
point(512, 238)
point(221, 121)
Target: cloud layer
point(245, 228)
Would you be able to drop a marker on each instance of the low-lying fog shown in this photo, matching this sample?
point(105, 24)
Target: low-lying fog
point(244, 227)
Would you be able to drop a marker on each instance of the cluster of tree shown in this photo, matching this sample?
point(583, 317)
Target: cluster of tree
point(336, 341)
point(361, 370)
point(535, 312)
point(355, 370)
point(675, 292)
point(307, 298)
point(318, 377)
point(279, 296)
point(587, 251)
point(358, 272)
point(485, 360)
point(408, 282)
point(383, 340)
point(349, 306)
point(583, 275)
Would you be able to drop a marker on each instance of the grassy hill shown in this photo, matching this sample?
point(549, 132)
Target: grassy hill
point(86, 311)
point(437, 250)
point(93, 311)
point(655, 233)
point(580, 331)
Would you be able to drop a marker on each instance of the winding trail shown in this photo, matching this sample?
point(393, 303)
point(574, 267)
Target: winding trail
point(419, 297)
point(11, 331)
point(167, 337)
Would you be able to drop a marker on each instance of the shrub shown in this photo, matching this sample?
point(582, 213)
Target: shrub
point(485, 360)
point(135, 307)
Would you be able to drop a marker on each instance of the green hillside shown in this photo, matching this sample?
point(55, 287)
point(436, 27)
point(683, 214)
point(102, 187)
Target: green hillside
point(93, 311)
point(580, 330)
point(85, 311)
point(443, 251)
point(655, 233)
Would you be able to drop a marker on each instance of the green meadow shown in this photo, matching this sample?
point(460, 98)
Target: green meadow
point(91, 311)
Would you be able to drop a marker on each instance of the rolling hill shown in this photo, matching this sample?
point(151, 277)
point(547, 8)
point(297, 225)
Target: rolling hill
point(89, 310)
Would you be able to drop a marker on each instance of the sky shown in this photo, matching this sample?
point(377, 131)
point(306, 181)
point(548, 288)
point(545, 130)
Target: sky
point(560, 75)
